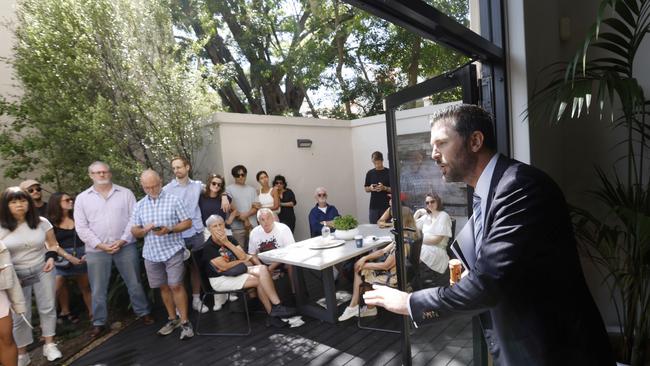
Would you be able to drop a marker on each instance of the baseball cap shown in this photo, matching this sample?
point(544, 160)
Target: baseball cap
point(28, 183)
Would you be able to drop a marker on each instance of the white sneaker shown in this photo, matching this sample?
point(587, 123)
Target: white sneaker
point(196, 305)
point(365, 311)
point(51, 352)
point(349, 312)
point(24, 360)
point(219, 300)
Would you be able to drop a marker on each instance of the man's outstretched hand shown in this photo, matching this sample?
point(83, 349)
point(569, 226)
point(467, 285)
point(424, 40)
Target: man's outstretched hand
point(389, 298)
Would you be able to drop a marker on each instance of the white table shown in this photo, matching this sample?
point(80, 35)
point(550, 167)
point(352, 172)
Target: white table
point(301, 256)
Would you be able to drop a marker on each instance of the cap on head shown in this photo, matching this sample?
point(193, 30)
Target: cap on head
point(28, 183)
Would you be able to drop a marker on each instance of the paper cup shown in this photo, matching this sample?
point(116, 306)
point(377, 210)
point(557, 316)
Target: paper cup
point(455, 270)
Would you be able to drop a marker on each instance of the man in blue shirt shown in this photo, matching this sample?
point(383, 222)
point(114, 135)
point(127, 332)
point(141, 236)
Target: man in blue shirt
point(160, 218)
point(189, 191)
point(322, 214)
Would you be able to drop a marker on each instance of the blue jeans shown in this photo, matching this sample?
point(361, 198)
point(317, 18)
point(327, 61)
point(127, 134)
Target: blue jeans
point(127, 262)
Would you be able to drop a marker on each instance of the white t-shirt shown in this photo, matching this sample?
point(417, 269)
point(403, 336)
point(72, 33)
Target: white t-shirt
point(261, 241)
point(435, 256)
point(26, 245)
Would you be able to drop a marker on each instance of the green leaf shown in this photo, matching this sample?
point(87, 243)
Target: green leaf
point(620, 27)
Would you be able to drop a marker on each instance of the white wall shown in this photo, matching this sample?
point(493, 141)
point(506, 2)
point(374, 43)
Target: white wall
point(338, 159)
point(7, 85)
point(269, 143)
point(568, 151)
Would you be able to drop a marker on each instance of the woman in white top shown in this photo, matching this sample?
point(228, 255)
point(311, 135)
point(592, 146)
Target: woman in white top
point(268, 196)
point(33, 248)
point(436, 231)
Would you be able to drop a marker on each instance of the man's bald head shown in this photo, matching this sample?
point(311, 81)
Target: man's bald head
point(151, 183)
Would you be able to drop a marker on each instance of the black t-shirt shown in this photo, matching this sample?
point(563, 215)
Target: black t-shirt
point(286, 213)
point(67, 238)
point(212, 250)
point(378, 200)
point(212, 206)
point(42, 211)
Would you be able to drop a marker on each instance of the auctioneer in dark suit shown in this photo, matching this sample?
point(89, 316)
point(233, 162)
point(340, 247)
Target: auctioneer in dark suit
point(526, 282)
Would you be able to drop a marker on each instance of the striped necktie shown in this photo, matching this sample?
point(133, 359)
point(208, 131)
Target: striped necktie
point(478, 220)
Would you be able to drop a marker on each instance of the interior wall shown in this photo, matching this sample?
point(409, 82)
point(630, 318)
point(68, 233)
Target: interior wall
point(570, 150)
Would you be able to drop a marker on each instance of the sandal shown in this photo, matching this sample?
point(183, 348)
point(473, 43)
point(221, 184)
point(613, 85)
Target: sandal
point(69, 318)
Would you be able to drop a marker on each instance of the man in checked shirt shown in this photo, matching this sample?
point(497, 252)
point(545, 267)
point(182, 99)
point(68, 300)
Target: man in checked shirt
point(160, 218)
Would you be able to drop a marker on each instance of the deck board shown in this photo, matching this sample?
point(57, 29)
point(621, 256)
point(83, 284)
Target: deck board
point(315, 343)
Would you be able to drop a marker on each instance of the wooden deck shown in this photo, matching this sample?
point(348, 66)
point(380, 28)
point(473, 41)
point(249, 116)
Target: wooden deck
point(314, 343)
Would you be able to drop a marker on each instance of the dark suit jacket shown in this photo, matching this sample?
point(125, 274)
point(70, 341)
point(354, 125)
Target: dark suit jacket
point(527, 283)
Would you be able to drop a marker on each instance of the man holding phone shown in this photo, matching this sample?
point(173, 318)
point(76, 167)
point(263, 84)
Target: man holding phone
point(378, 184)
point(160, 218)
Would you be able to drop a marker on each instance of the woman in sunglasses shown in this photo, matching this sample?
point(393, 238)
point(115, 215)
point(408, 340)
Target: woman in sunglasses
point(436, 230)
point(211, 199)
point(33, 248)
point(59, 212)
point(287, 201)
point(322, 214)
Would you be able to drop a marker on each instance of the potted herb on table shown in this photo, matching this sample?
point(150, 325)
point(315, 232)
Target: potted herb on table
point(346, 227)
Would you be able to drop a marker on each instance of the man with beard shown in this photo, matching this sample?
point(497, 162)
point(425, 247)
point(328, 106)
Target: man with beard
point(33, 187)
point(189, 191)
point(524, 278)
point(101, 215)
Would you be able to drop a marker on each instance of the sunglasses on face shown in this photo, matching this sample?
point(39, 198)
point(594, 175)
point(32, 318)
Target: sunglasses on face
point(322, 195)
point(239, 175)
point(68, 200)
point(216, 183)
point(35, 189)
point(429, 202)
point(276, 183)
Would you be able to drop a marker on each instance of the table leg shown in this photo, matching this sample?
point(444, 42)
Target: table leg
point(307, 307)
point(302, 297)
point(329, 288)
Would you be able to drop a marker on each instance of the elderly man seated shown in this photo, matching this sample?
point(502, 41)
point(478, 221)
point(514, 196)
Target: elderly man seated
point(269, 235)
point(229, 268)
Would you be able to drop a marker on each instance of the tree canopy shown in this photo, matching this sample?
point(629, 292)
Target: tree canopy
point(102, 80)
point(321, 58)
point(128, 82)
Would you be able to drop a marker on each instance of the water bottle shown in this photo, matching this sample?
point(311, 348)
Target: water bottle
point(325, 232)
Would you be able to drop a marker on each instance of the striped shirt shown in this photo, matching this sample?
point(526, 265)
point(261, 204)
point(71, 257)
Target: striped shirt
point(166, 210)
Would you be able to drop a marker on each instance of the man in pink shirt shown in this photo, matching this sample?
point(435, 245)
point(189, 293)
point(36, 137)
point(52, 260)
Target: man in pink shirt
point(101, 215)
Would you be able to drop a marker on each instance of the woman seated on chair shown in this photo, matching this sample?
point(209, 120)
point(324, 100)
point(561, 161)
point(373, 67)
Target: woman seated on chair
point(436, 231)
point(378, 267)
point(229, 268)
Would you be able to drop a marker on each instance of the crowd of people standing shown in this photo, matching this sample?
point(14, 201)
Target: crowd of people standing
point(82, 237)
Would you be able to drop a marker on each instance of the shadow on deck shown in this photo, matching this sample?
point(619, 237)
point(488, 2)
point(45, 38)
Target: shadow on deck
point(314, 343)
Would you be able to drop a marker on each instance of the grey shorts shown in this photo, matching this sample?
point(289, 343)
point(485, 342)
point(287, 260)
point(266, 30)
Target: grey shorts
point(194, 242)
point(169, 272)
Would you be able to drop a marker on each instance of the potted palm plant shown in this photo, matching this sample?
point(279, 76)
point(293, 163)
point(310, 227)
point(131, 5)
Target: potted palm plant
point(618, 240)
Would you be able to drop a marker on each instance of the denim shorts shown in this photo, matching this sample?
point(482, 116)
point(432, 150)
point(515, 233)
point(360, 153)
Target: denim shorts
point(74, 270)
point(169, 272)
